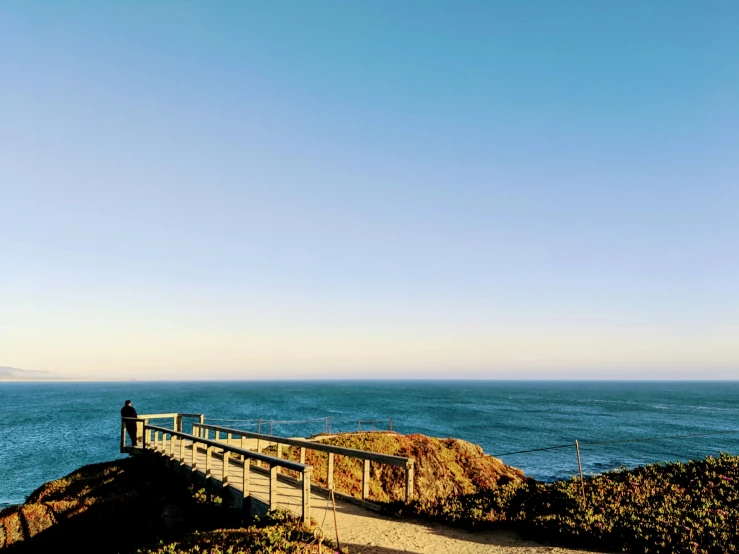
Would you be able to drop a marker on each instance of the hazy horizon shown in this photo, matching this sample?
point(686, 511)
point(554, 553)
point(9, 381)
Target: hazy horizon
point(325, 190)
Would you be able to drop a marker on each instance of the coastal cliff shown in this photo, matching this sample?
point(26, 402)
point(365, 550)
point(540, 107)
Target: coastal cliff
point(135, 506)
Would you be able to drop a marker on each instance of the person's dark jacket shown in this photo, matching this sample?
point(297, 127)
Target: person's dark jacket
point(129, 411)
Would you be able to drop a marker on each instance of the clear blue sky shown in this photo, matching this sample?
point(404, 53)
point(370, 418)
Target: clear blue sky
point(329, 188)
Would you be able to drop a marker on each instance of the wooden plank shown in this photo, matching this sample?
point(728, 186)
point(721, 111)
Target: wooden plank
point(245, 479)
point(330, 471)
point(311, 445)
point(224, 474)
point(306, 477)
point(273, 487)
point(248, 453)
point(208, 461)
point(365, 479)
point(409, 475)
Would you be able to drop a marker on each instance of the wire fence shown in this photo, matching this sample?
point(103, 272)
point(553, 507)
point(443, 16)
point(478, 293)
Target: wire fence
point(327, 425)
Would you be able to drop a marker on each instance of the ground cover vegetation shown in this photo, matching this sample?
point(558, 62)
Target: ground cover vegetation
point(132, 505)
point(444, 468)
point(657, 509)
point(663, 508)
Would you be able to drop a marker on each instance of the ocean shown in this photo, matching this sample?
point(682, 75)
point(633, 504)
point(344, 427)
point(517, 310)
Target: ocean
point(49, 429)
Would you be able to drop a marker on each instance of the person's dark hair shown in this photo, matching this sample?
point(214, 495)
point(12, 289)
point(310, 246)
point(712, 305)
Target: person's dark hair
point(127, 403)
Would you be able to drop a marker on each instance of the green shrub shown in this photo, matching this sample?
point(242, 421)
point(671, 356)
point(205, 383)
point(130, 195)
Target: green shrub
point(276, 533)
point(657, 509)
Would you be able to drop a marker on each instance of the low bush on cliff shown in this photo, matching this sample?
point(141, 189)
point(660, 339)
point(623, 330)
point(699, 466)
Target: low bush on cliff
point(124, 506)
point(443, 467)
point(277, 533)
point(657, 509)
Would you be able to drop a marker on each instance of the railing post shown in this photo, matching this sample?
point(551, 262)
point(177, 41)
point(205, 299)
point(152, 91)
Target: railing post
point(243, 447)
point(208, 452)
point(272, 487)
point(306, 493)
point(224, 475)
point(144, 433)
point(182, 451)
point(365, 478)
point(194, 457)
point(245, 479)
point(302, 455)
point(123, 435)
point(229, 436)
point(279, 455)
point(409, 472)
point(330, 472)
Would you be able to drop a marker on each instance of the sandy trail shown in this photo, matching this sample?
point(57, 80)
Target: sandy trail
point(367, 532)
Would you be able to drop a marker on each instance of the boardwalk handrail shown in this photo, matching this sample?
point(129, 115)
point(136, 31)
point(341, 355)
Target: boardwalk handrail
point(303, 444)
point(259, 456)
point(176, 418)
point(227, 450)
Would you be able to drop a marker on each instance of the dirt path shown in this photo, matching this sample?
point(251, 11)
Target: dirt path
point(366, 532)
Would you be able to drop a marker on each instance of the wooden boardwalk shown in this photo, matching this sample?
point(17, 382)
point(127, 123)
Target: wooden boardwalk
point(232, 464)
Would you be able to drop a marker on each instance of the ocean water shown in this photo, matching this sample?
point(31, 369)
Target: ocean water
point(49, 429)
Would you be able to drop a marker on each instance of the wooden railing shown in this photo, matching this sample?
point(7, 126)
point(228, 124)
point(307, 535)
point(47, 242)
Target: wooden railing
point(155, 438)
point(143, 420)
point(202, 431)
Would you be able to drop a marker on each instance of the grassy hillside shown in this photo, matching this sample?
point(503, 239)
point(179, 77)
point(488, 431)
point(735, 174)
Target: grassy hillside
point(444, 467)
point(658, 509)
point(135, 506)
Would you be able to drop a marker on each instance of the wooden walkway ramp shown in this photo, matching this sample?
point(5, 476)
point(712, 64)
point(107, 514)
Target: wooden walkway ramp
point(231, 463)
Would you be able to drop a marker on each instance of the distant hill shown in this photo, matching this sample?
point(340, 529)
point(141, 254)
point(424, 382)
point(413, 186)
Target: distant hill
point(15, 374)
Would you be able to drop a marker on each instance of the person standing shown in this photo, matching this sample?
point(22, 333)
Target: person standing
point(129, 411)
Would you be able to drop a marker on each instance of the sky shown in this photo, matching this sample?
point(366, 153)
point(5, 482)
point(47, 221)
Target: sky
point(330, 189)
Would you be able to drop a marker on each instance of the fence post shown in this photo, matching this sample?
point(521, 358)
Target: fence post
point(208, 472)
point(224, 475)
point(330, 471)
point(306, 494)
point(194, 458)
point(182, 451)
point(365, 478)
point(302, 455)
point(409, 475)
point(245, 480)
point(272, 487)
point(123, 435)
point(579, 465)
